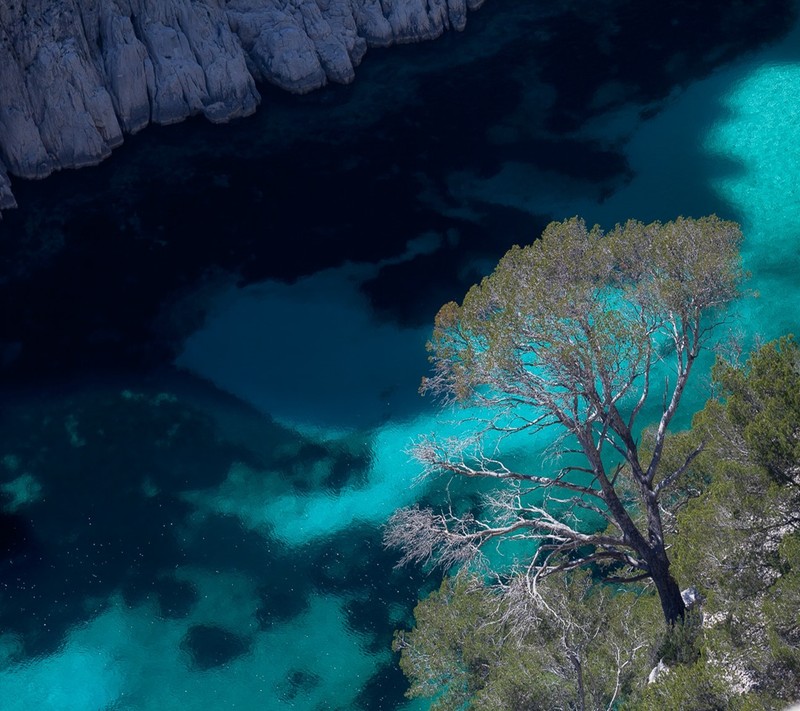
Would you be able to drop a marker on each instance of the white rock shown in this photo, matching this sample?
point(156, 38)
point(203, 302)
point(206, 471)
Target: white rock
point(128, 68)
point(341, 19)
point(371, 23)
point(219, 53)
point(6, 196)
point(330, 46)
point(457, 12)
point(72, 108)
point(76, 74)
point(658, 670)
point(691, 596)
point(20, 141)
point(279, 49)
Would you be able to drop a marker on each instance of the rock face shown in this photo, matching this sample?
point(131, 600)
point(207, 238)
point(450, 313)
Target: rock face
point(6, 196)
point(75, 75)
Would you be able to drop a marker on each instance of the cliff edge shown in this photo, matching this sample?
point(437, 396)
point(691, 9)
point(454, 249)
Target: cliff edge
point(76, 75)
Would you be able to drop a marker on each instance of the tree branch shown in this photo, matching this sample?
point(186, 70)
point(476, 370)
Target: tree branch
point(669, 480)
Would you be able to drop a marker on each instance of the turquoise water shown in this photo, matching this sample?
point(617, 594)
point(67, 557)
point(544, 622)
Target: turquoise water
point(762, 137)
point(209, 536)
point(730, 143)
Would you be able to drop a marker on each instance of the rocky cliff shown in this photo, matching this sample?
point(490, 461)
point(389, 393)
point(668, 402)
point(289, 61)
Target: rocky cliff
point(76, 75)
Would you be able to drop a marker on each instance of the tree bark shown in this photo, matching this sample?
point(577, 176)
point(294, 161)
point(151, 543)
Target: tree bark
point(577, 663)
point(668, 591)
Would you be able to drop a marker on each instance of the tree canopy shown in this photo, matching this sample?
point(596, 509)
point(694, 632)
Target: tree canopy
point(585, 644)
point(584, 649)
point(574, 333)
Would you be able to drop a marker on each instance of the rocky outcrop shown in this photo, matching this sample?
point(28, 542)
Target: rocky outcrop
point(76, 75)
point(6, 196)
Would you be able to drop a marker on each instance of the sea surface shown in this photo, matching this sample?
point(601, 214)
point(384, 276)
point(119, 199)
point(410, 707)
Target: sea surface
point(210, 345)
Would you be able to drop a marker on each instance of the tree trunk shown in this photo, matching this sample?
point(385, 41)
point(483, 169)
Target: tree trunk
point(577, 663)
point(668, 591)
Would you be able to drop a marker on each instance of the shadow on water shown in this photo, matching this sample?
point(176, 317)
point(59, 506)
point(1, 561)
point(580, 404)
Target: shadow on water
point(92, 486)
point(309, 182)
point(107, 468)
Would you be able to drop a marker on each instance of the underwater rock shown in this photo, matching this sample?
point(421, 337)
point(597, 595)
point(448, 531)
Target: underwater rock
point(78, 74)
point(211, 647)
point(298, 682)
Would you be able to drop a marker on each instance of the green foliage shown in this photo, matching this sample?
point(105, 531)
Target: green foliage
point(763, 401)
point(695, 687)
point(728, 537)
point(738, 542)
point(471, 647)
point(678, 448)
point(449, 652)
point(583, 306)
point(681, 641)
point(781, 610)
point(570, 327)
point(568, 333)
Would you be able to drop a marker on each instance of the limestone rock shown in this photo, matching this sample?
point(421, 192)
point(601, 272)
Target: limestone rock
point(277, 46)
point(657, 672)
point(6, 196)
point(371, 23)
point(20, 141)
point(415, 19)
point(75, 75)
point(691, 597)
point(73, 110)
point(60, 113)
point(197, 61)
point(131, 79)
point(457, 13)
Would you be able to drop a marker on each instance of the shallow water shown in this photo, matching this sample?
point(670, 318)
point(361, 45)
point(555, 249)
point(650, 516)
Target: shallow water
point(212, 342)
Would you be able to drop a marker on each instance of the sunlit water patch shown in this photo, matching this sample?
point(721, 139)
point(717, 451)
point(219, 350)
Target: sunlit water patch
point(263, 502)
point(131, 658)
point(761, 133)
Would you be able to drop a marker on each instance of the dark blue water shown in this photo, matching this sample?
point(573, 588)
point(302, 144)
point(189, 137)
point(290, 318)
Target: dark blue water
point(211, 343)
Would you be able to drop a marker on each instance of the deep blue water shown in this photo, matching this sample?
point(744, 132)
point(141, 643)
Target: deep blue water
point(211, 343)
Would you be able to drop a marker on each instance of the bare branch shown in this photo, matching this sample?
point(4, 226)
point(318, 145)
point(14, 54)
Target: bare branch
point(453, 456)
point(669, 480)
